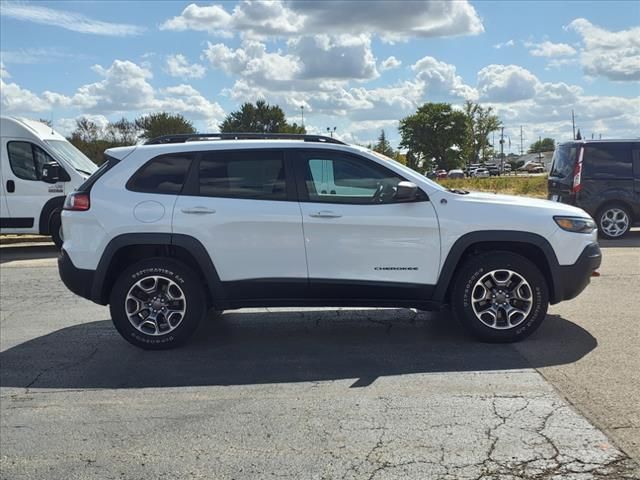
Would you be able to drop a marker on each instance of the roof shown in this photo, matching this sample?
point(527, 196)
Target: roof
point(24, 128)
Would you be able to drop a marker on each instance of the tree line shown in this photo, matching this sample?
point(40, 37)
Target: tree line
point(437, 135)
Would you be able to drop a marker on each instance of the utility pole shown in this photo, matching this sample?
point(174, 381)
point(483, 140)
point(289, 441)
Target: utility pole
point(331, 131)
point(521, 142)
point(501, 148)
point(302, 114)
point(573, 123)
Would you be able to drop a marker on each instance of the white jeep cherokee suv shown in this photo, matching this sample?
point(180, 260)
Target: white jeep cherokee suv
point(165, 231)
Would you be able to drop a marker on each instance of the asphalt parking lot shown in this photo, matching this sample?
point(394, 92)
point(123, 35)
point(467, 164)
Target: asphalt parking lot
point(318, 393)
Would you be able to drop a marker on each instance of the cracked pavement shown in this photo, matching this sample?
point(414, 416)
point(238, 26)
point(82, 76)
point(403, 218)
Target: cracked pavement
point(304, 394)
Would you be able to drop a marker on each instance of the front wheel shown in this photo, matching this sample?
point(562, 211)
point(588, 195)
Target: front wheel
point(55, 229)
point(157, 303)
point(500, 297)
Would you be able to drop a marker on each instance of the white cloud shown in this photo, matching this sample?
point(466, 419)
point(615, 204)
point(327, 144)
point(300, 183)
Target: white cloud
point(75, 22)
point(506, 83)
point(179, 66)
point(390, 63)
point(388, 19)
point(3, 71)
point(38, 55)
point(508, 43)
point(613, 55)
point(124, 89)
point(550, 49)
point(441, 81)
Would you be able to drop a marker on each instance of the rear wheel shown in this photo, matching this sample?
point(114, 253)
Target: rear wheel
point(614, 221)
point(157, 303)
point(500, 297)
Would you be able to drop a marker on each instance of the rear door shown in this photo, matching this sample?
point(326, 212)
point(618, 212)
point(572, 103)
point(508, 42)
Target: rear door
point(241, 205)
point(360, 241)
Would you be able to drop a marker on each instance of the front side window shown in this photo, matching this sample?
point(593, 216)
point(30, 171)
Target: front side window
point(607, 160)
point(27, 160)
point(165, 174)
point(252, 174)
point(348, 180)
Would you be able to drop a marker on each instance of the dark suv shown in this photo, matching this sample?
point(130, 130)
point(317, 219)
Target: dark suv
point(601, 177)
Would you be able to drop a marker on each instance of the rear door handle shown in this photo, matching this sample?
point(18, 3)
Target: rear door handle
point(11, 186)
point(198, 211)
point(325, 214)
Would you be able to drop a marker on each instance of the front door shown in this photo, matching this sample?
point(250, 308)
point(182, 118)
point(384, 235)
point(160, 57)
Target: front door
point(357, 234)
point(25, 191)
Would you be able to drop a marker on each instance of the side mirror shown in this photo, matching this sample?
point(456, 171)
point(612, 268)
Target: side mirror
point(51, 172)
point(406, 191)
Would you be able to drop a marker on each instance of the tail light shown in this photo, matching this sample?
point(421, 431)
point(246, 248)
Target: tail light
point(77, 201)
point(577, 173)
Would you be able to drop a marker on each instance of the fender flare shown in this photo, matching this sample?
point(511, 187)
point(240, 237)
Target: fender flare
point(191, 244)
point(454, 257)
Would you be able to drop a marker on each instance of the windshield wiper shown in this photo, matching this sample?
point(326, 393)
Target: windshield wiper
point(84, 171)
point(457, 191)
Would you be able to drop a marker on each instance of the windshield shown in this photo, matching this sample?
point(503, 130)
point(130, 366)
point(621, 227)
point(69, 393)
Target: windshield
point(435, 185)
point(72, 156)
point(563, 162)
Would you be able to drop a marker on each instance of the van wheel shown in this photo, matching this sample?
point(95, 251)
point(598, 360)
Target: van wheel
point(614, 221)
point(157, 303)
point(55, 229)
point(500, 297)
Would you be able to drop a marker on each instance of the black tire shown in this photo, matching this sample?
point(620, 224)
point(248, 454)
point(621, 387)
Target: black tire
point(477, 267)
point(168, 270)
point(602, 215)
point(55, 229)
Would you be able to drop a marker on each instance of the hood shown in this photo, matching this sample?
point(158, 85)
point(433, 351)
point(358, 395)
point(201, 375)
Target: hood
point(514, 201)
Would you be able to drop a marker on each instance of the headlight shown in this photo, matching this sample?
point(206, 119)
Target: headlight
point(576, 224)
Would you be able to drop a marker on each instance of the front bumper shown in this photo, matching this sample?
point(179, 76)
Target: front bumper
point(571, 280)
point(77, 280)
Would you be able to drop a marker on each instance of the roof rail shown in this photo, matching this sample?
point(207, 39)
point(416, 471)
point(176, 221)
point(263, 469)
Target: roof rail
point(191, 137)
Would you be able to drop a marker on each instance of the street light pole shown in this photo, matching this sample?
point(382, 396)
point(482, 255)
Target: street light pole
point(302, 115)
point(331, 131)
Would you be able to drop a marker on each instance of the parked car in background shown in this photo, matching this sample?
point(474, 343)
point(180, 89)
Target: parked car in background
point(494, 170)
point(480, 173)
point(601, 177)
point(38, 168)
point(532, 167)
point(441, 174)
point(455, 173)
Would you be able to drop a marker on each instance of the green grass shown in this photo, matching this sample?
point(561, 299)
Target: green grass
point(512, 185)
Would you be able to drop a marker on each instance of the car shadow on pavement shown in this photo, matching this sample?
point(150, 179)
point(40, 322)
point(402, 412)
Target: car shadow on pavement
point(243, 348)
point(631, 239)
point(30, 252)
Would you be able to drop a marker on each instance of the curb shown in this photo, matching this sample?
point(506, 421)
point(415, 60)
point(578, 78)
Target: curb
point(18, 239)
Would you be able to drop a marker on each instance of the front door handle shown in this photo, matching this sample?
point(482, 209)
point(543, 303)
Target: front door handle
point(11, 186)
point(325, 214)
point(198, 211)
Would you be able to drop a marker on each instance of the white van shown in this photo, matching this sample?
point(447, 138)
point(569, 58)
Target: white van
point(38, 167)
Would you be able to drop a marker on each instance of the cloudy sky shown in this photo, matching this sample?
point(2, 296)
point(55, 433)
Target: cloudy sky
point(359, 66)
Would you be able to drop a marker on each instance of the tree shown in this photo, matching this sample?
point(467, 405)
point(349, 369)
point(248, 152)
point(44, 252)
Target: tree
point(480, 123)
point(162, 123)
point(48, 123)
point(123, 131)
point(86, 130)
point(259, 118)
point(383, 146)
point(437, 133)
point(544, 145)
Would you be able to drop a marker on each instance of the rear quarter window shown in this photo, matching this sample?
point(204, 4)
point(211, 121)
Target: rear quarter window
point(608, 160)
point(164, 174)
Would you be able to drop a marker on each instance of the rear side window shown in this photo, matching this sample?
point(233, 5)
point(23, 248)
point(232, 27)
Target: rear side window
point(608, 160)
point(253, 174)
point(27, 160)
point(165, 174)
